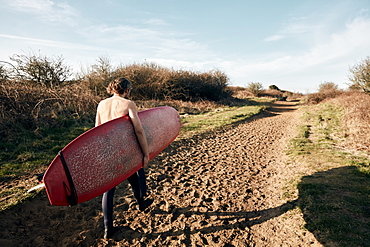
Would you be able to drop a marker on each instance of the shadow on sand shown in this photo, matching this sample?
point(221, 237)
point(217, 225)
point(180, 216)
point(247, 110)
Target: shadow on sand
point(335, 205)
point(243, 221)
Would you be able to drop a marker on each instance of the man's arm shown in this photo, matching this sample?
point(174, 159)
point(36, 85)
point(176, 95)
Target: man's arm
point(139, 131)
point(97, 118)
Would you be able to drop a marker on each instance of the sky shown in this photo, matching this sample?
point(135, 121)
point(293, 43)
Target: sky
point(295, 45)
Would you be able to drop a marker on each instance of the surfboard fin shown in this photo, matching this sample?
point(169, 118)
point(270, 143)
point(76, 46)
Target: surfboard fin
point(36, 187)
point(70, 188)
point(71, 198)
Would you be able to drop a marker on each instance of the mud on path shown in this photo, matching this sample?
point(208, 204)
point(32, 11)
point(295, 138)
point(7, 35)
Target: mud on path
point(218, 189)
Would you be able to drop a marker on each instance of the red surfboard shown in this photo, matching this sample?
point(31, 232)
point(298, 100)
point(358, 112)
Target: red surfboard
point(106, 155)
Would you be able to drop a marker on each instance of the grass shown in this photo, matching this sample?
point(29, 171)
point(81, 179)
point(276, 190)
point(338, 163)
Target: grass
point(197, 124)
point(31, 155)
point(333, 186)
point(13, 197)
point(35, 149)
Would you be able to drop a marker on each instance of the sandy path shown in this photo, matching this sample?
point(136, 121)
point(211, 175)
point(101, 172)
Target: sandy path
point(219, 189)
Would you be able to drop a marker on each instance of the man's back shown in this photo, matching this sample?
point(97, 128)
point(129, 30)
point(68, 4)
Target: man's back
point(112, 108)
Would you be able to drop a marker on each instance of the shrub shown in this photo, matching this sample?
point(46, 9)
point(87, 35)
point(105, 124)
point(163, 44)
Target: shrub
point(192, 86)
point(255, 88)
point(148, 79)
point(38, 97)
point(274, 87)
point(240, 92)
point(273, 93)
point(98, 76)
point(4, 72)
point(153, 82)
point(361, 75)
point(26, 106)
point(42, 70)
point(328, 87)
point(327, 90)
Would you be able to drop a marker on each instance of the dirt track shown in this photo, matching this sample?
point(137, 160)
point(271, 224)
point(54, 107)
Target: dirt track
point(219, 189)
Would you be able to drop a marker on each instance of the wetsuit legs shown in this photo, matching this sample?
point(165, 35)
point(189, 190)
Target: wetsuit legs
point(139, 188)
point(107, 205)
point(138, 184)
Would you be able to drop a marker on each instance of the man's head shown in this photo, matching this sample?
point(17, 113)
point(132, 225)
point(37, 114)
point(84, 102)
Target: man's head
point(119, 86)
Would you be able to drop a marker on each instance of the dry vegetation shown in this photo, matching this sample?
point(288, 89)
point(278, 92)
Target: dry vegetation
point(356, 119)
point(29, 103)
point(154, 82)
point(356, 116)
point(244, 93)
point(26, 106)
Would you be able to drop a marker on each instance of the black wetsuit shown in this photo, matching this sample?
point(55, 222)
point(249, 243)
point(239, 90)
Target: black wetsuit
point(139, 188)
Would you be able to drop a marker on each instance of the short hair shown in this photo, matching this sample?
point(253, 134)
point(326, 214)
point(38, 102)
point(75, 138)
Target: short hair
point(119, 86)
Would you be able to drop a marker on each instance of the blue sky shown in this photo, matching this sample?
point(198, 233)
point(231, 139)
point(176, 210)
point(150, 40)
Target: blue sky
point(295, 45)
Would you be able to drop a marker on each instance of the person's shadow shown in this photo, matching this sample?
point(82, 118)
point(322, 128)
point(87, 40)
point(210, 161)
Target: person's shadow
point(336, 206)
point(242, 220)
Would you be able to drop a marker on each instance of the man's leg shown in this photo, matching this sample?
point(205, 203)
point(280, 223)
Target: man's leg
point(139, 188)
point(138, 184)
point(107, 206)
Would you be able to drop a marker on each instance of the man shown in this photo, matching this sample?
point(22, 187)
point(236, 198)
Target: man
point(117, 106)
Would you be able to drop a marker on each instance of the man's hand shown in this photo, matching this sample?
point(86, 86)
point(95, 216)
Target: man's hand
point(145, 160)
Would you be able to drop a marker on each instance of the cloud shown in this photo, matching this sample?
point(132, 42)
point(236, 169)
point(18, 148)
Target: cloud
point(363, 10)
point(299, 28)
point(156, 22)
point(349, 43)
point(344, 45)
point(121, 33)
point(156, 44)
point(48, 43)
point(34, 6)
point(274, 38)
point(327, 59)
point(296, 27)
point(46, 10)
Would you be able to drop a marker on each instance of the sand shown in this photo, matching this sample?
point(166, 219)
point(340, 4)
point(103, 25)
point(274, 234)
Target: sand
point(218, 189)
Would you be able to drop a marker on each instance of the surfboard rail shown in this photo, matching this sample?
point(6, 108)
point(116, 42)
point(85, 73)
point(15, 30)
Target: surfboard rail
point(106, 155)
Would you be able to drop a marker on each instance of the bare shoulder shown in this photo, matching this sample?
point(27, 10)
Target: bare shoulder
point(104, 101)
point(131, 103)
point(101, 103)
point(132, 109)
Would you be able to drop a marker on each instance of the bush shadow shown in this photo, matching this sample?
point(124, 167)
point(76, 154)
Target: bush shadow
point(336, 206)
